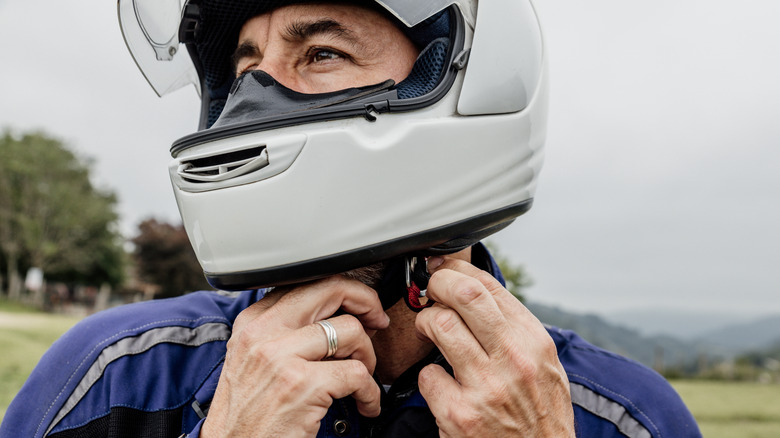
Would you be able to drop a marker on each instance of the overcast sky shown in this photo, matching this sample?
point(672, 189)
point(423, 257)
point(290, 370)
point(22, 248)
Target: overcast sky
point(661, 183)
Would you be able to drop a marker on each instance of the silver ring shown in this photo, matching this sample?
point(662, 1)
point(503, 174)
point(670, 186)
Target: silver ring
point(333, 339)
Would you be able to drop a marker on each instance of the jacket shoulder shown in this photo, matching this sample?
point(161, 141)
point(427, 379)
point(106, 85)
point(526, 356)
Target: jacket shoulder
point(616, 396)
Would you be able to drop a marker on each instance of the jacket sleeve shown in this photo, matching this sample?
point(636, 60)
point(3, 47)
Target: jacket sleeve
point(133, 370)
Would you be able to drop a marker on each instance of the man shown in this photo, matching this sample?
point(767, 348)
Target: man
point(325, 353)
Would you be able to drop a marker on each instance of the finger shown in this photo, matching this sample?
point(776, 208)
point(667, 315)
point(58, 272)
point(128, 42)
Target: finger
point(471, 300)
point(342, 378)
point(441, 392)
point(502, 296)
point(291, 309)
point(311, 342)
point(321, 299)
point(445, 328)
point(514, 311)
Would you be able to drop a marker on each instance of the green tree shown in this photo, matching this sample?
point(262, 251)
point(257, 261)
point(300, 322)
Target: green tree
point(517, 279)
point(52, 217)
point(164, 256)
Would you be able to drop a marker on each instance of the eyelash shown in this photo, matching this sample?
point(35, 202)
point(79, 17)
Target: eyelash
point(245, 69)
point(312, 53)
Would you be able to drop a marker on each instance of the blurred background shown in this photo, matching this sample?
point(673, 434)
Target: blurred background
point(655, 226)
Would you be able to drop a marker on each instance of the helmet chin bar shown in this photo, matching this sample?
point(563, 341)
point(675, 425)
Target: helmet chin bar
point(437, 241)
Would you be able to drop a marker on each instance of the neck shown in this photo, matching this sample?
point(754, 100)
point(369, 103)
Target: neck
point(398, 347)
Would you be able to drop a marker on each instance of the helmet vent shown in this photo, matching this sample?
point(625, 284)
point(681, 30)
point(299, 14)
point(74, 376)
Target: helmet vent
point(225, 166)
point(234, 162)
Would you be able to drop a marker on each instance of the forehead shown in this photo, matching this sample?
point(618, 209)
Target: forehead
point(357, 20)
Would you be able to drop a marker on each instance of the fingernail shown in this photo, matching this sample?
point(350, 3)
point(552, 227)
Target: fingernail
point(433, 263)
point(388, 318)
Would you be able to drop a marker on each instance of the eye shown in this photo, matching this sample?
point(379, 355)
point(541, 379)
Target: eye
point(324, 55)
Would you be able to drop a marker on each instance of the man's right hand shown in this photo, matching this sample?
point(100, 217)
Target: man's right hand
point(274, 381)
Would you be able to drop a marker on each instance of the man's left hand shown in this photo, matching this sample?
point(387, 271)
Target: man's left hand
point(508, 380)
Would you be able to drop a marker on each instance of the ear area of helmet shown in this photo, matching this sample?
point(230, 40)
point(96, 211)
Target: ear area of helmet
point(435, 71)
point(505, 63)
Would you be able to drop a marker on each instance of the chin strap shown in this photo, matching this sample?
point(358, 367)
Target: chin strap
point(417, 273)
point(405, 277)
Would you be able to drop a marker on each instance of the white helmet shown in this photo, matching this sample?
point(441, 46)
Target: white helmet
point(300, 190)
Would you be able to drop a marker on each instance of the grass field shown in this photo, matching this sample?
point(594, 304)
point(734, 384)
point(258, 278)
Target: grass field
point(24, 336)
point(723, 409)
point(733, 410)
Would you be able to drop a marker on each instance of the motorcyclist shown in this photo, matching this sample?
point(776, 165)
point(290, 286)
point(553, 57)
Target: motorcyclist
point(351, 156)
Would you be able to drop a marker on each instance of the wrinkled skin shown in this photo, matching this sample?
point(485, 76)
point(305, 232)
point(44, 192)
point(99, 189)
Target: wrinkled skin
point(507, 380)
point(274, 381)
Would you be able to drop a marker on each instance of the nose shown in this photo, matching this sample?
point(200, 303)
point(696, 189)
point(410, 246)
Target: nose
point(280, 71)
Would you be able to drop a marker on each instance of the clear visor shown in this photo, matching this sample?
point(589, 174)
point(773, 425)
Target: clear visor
point(151, 29)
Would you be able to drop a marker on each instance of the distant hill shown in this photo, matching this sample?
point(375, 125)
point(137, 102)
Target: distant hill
point(745, 337)
point(681, 324)
point(724, 342)
point(619, 339)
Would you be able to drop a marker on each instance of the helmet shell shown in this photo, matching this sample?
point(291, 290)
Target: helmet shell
point(324, 195)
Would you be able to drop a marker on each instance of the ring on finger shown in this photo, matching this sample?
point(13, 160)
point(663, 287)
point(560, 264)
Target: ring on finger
point(332, 337)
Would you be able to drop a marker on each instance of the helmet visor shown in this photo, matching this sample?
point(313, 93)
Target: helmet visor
point(412, 13)
point(150, 29)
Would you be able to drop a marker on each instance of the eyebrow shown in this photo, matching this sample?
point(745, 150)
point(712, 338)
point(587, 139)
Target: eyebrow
point(299, 30)
point(244, 50)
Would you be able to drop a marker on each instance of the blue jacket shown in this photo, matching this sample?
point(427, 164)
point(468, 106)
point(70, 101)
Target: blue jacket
point(150, 369)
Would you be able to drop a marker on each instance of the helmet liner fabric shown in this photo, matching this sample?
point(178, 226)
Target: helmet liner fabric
point(257, 95)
